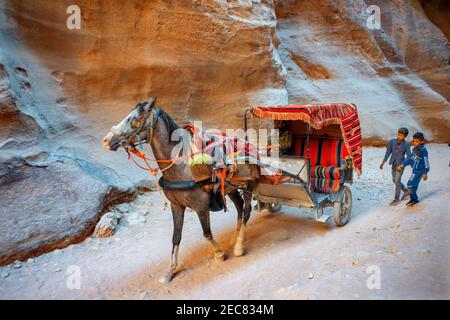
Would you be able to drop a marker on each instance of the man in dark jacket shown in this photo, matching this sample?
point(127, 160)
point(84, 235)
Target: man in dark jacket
point(397, 149)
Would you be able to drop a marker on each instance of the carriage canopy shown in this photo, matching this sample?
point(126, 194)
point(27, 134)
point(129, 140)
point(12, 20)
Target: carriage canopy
point(319, 116)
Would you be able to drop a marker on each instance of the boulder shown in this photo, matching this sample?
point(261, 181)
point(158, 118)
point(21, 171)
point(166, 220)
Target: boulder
point(45, 208)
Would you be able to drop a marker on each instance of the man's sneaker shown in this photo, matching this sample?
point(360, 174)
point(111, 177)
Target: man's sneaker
point(412, 203)
point(405, 195)
point(394, 202)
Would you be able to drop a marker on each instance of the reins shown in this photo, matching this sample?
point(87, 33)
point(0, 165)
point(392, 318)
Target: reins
point(148, 125)
point(131, 149)
point(153, 171)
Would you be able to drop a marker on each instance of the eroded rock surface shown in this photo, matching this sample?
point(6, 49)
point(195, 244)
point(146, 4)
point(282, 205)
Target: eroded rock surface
point(44, 208)
point(397, 75)
point(61, 90)
point(204, 59)
point(210, 59)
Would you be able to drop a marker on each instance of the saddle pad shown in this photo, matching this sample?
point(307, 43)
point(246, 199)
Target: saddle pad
point(201, 172)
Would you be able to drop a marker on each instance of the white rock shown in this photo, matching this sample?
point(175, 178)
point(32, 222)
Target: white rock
point(5, 274)
point(143, 212)
point(134, 219)
point(106, 227)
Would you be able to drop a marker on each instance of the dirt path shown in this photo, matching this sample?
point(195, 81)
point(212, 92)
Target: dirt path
point(288, 256)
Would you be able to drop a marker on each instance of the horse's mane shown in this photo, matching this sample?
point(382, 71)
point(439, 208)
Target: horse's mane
point(170, 123)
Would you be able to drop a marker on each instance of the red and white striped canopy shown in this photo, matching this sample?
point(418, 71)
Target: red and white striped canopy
point(321, 115)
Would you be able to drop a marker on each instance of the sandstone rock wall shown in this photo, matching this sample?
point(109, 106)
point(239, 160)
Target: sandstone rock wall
point(203, 59)
point(398, 75)
point(61, 90)
point(210, 60)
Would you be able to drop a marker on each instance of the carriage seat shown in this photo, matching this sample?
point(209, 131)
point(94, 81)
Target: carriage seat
point(327, 158)
point(322, 151)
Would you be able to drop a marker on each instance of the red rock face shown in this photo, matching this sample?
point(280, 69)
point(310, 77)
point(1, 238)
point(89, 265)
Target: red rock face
point(15, 126)
point(397, 75)
point(203, 60)
point(61, 89)
point(210, 60)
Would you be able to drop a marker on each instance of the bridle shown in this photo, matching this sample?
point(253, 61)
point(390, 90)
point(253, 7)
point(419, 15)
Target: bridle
point(148, 124)
point(130, 147)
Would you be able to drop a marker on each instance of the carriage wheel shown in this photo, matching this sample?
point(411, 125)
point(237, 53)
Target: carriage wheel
point(343, 209)
point(272, 207)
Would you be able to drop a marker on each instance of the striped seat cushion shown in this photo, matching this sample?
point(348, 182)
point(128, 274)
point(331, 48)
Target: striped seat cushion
point(326, 179)
point(326, 157)
point(324, 152)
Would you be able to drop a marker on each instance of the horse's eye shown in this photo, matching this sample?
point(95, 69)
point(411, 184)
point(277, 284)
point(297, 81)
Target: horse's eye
point(136, 123)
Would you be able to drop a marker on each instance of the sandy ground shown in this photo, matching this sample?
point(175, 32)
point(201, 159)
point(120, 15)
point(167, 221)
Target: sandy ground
point(288, 255)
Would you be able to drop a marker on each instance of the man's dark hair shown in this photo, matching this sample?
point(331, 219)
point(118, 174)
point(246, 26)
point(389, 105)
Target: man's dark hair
point(419, 136)
point(403, 131)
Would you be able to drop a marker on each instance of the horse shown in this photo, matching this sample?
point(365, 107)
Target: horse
point(148, 124)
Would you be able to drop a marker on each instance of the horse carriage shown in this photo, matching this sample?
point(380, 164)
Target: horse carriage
point(319, 147)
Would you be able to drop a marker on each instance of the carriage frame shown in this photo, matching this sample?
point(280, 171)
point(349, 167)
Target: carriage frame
point(324, 125)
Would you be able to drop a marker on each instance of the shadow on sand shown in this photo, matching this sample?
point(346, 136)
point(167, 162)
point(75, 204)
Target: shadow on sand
point(263, 231)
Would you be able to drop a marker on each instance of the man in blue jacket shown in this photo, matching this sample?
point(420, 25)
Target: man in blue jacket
point(420, 165)
point(396, 150)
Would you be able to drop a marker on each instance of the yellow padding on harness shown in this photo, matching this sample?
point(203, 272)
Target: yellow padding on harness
point(198, 157)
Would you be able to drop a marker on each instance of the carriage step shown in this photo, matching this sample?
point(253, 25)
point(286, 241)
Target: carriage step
point(324, 218)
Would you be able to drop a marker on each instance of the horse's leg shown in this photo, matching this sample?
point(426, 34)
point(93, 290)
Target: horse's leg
point(178, 218)
point(239, 204)
point(239, 246)
point(203, 215)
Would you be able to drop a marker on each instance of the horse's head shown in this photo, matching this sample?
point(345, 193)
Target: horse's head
point(135, 128)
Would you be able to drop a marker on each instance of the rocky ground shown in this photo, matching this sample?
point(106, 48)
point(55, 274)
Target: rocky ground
point(288, 256)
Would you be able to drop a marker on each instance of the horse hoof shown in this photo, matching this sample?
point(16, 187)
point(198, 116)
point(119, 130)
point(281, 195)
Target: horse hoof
point(166, 278)
point(219, 256)
point(238, 252)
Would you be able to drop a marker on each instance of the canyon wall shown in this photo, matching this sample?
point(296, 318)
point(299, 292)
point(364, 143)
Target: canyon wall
point(202, 59)
point(61, 89)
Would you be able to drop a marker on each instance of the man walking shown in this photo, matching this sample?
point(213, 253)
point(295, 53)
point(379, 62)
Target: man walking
point(397, 149)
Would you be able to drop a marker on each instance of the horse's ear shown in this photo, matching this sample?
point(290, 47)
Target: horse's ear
point(151, 102)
